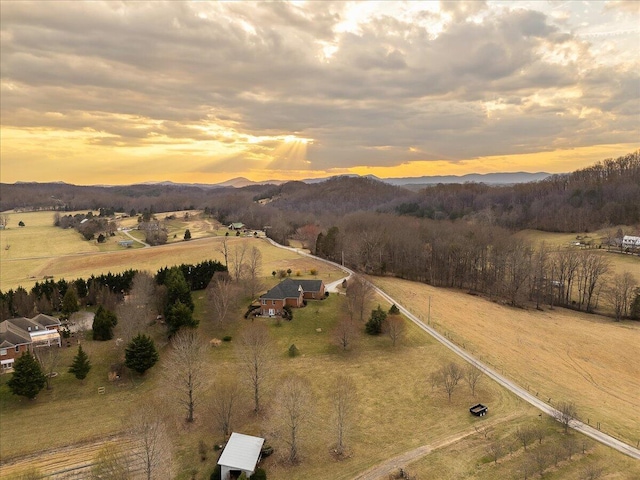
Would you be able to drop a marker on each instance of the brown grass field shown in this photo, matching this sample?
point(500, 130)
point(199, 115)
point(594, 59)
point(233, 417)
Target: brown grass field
point(593, 362)
point(26, 271)
point(560, 354)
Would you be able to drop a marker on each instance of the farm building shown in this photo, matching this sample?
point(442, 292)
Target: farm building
point(240, 455)
point(236, 226)
point(292, 293)
point(630, 242)
point(125, 243)
point(18, 335)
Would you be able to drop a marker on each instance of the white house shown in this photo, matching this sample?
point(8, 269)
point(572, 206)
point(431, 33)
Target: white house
point(629, 241)
point(241, 454)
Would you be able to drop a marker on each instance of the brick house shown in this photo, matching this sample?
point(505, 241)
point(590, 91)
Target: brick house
point(292, 293)
point(19, 335)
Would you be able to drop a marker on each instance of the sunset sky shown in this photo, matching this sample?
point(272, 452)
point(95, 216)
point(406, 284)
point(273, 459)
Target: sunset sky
point(124, 92)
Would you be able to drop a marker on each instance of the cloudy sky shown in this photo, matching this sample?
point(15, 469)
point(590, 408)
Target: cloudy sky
point(122, 92)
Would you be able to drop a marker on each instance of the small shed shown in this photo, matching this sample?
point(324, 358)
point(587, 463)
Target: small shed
point(236, 226)
point(241, 454)
point(125, 243)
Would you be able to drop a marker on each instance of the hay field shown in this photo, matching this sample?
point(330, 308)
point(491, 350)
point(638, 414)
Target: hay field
point(560, 354)
point(26, 272)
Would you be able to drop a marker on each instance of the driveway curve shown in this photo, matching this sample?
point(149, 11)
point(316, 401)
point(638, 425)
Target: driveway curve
point(579, 426)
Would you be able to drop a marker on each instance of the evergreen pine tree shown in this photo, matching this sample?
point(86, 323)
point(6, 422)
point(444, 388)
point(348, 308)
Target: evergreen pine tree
point(69, 302)
point(81, 365)
point(103, 324)
point(141, 354)
point(27, 379)
point(374, 325)
point(187, 234)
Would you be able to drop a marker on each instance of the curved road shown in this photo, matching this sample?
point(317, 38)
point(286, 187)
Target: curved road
point(505, 382)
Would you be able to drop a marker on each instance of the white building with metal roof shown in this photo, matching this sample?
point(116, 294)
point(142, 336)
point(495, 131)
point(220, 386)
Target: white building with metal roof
point(241, 454)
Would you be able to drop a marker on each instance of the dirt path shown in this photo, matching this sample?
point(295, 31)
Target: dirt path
point(384, 469)
point(72, 461)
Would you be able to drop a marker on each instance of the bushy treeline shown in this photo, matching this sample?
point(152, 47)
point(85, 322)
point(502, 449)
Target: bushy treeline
point(105, 289)
point(47, 296)
point(197, 276)
point(476, 257)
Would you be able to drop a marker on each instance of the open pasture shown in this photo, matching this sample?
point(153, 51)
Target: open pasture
point(27, 271)
point(561, 355)
point(397, 408)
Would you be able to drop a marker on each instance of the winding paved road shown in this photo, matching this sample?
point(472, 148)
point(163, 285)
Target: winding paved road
point(505, 382)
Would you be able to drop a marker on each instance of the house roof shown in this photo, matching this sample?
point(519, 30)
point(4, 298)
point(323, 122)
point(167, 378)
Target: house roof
point(17, 331)
point(237, 225)
point(242, 452)
point(11, 335)
point(290, 288)
point(46, 320)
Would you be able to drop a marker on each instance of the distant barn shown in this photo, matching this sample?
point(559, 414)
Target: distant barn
point(125, 243)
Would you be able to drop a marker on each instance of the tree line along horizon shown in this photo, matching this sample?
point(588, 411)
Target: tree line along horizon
point(475, 252)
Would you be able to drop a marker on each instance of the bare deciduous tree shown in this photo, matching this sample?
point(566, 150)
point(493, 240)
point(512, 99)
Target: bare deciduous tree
point(620, 293)
point(253, 269)
point(224, 249)
point(294, 408)
point(542, 459)
point(225, 404)
point(495, 450)
point(565, 413)
point(395, 328)
point(593, 471)
point(447, 377)
point(359, 293)
point(184, 369)
point(344, 399)
point(238, 266)
point(138, 309)
point(152, 443)
point(346, 333)
point(472, 376)
point(592, 268)
point(48, 359)
point(255, 352)
point(570, 446)
point(525, 435)
point(222, 297)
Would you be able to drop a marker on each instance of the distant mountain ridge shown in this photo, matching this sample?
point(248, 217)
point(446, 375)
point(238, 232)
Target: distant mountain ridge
point(501, 178)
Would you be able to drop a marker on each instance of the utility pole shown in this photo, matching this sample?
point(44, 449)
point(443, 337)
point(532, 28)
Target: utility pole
point(429, 315)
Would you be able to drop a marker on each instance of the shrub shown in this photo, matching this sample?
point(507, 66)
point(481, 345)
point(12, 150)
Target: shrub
point(313, 271)
point(227, 338)
point(216, 474)
point(298, 273)
point(293, 350)
point(259, 474)
point(287, 313)
point(394, 310)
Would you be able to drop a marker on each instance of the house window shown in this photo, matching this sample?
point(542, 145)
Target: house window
point(264, 302)
point(17, 348)
point(3, 351)
point(273, 302)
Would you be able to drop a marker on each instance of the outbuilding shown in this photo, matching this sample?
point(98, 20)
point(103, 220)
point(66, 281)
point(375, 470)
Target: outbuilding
point(241, 454)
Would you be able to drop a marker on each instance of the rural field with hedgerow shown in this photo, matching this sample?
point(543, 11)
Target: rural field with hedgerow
point(173, 336)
